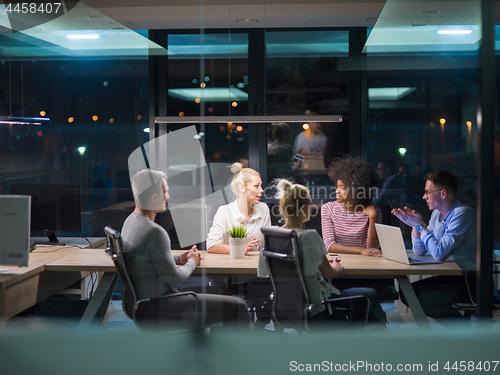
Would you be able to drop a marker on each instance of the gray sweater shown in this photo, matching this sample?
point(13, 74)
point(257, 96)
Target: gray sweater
point(149, 261)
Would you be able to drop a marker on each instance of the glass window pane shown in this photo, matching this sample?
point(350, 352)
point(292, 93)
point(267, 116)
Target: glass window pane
point(99, 113)
point(303, 72)
point(208, 74)
point(422, 110)
point(304, 78)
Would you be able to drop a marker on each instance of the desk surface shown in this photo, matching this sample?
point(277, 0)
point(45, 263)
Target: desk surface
point(22, 287)
point(98, 260)
point(44, 254)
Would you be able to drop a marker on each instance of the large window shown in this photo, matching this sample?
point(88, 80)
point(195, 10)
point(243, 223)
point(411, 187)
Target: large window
point(306, 75)
point(98, 111)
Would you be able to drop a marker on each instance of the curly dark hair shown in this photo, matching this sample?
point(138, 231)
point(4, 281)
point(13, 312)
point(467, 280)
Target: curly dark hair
point(357, 174)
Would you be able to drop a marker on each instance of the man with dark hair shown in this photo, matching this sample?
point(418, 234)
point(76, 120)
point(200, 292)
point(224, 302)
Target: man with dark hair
point(451, 233)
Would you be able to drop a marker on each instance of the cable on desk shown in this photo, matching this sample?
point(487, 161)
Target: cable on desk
point(81, 235)
point(91, 283)
point(37, 251)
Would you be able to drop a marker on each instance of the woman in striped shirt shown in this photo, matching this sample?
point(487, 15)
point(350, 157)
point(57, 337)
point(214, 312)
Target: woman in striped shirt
point(348, 224)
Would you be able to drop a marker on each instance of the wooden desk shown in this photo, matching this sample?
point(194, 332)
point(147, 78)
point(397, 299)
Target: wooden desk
point(356, 265)
point(220, 264)
point(23, 287)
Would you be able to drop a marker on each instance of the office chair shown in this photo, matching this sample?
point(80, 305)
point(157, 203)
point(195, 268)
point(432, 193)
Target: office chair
point(470, 308)
point(291, 304)
point(145, 312)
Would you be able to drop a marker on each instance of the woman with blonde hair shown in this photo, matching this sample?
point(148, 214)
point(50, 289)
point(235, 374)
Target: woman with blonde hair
point(249, 211)
point(295, 207)
point(246, 210)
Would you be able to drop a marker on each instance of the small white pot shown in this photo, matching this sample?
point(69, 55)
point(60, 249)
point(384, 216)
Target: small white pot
point(237, 247)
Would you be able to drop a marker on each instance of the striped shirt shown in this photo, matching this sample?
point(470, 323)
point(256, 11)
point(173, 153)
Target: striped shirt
point(346, 228)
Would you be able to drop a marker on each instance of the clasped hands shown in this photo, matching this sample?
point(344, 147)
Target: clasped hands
point(193, 254)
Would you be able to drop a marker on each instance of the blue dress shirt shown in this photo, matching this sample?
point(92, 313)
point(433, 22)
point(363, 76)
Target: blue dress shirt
point(453, 237)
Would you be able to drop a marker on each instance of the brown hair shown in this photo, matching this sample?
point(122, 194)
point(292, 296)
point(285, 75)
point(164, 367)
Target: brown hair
point(443, 179)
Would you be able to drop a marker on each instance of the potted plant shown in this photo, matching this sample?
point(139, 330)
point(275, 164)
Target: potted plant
point(237, 242)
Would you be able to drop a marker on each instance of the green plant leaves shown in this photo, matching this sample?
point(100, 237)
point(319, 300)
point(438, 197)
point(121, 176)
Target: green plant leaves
point(238, 232)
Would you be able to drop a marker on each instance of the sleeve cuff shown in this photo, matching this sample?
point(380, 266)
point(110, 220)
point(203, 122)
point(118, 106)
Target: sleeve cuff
point(424, 233)
point(192, 263)
point(415, 241)
point(176, 258)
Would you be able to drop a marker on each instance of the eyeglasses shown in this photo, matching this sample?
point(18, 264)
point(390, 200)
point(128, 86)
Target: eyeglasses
point(429, 192)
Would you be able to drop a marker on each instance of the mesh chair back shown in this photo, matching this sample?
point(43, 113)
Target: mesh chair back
point(291, 299)
point(115, 249)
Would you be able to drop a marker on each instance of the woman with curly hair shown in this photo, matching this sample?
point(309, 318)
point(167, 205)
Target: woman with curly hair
point(348, 224)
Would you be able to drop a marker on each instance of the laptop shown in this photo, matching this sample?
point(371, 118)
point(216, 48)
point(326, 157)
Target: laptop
point(393, 246)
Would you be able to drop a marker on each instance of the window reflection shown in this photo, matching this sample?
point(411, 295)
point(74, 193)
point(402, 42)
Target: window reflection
point(208, 74)
point(303, 151)
point(303, 72)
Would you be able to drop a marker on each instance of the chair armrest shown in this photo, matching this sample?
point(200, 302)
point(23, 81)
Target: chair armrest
point(272, 254)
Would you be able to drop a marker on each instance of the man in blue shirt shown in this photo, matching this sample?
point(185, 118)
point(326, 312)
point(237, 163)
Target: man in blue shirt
point(451, 233)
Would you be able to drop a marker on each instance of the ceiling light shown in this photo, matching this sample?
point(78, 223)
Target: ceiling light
point(455, 32)
point(215, 94)
point(82, 36)
point(389, 93)
point(24, 120)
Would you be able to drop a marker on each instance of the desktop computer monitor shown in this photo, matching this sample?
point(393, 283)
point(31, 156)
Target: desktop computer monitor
point(14, 230)
point(54, 207)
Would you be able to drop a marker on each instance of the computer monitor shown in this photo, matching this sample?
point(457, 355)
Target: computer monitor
point(54, 207)
point(14, 230)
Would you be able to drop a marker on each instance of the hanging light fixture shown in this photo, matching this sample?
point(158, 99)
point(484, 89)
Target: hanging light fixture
point(24, 120)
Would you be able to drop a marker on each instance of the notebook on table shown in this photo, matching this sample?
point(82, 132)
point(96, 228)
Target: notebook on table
point(393, 246)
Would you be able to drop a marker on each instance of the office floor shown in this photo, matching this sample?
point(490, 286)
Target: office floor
point(66, 311)
point(397, 317)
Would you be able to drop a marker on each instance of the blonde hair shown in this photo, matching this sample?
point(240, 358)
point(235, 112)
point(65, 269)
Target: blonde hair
point(293, 198)
point(145, 183)
point(242, 176)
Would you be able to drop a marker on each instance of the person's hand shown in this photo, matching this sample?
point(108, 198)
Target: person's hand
point(336, 265)
point(371, 212)
point(371, 252)
point(250, 245)
point(195, 255)
point(410, 217)
point(183, 258)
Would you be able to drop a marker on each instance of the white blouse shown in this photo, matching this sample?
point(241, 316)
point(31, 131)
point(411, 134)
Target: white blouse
point(229, 215)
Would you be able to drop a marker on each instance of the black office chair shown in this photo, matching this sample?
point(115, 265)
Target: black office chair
point(145, 313)
point(470, 308)
point(291, 304)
